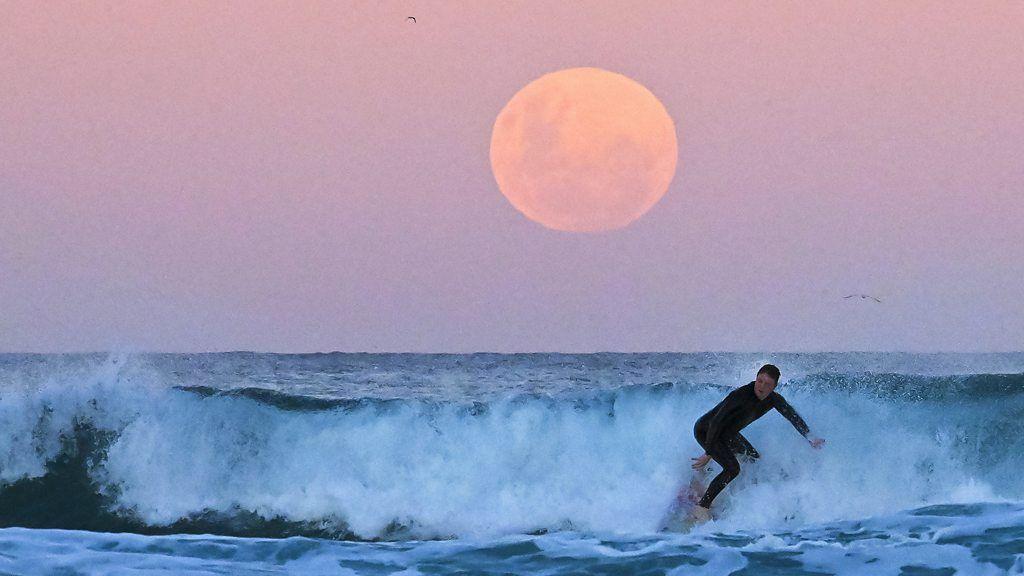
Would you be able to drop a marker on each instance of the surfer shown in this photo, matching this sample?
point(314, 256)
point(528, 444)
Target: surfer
point(718, 431)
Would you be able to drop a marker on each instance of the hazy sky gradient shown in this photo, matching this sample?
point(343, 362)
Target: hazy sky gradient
point(219, 176)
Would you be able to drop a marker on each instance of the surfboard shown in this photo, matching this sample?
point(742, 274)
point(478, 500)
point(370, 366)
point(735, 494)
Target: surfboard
point(677, 518)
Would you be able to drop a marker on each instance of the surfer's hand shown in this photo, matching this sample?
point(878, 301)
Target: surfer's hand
point(700, 461)
point(817, 442)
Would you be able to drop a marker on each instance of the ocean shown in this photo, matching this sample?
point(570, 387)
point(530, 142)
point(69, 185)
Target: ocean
point(341, 463)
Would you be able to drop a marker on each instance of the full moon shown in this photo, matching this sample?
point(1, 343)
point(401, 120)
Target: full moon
point(583, 150)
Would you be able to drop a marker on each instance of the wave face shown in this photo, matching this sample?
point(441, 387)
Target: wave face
point(396, 447)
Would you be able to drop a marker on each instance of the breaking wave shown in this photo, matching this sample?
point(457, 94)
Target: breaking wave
point(107, 452)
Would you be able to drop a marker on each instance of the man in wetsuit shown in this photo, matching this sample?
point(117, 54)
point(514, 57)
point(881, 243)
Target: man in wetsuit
point(718, 431)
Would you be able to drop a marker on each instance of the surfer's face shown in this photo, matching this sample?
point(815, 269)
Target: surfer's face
point(764, 385)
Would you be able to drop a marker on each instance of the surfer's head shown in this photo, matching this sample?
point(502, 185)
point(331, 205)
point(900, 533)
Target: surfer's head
point(767, 380)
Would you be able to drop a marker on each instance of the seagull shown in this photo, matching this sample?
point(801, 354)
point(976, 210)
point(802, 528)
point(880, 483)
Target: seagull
point(413, 18)
point(862, 297)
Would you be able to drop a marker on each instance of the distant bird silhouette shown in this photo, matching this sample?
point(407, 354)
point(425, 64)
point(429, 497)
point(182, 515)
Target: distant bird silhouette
point(862, 297)
point(413, 18)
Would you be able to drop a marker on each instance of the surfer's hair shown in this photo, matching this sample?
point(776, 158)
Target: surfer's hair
point(770, 370)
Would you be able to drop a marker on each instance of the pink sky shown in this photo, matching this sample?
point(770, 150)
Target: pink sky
point(220, 176)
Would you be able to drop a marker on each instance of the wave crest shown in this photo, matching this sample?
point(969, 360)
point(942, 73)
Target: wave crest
point(106, 453)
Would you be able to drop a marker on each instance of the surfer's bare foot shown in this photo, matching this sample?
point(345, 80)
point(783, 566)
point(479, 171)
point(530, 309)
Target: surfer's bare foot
point(700, 514)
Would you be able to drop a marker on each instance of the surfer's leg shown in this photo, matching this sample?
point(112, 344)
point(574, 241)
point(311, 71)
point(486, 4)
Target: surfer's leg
point(739, 445)
point(730, 469)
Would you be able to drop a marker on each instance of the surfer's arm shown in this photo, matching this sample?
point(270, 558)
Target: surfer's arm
point(790, 414)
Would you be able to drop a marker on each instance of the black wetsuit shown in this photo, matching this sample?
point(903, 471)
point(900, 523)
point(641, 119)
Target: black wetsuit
point(718, 432)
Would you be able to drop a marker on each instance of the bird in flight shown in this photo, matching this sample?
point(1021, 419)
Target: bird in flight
point(862, 297)
point(413, 18)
